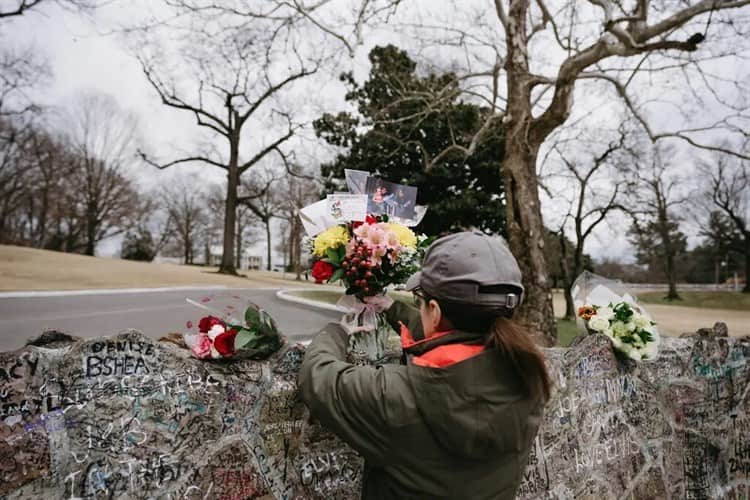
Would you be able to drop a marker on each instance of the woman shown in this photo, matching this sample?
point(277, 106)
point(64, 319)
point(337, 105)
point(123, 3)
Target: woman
point(459, 419)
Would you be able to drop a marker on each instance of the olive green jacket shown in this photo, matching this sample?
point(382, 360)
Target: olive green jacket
point(462, 431)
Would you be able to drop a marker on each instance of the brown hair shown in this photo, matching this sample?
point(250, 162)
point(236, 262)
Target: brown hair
point(517, 345)
point(511, 340)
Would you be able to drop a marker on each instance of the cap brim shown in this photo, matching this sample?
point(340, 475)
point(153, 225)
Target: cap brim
point(414, 282)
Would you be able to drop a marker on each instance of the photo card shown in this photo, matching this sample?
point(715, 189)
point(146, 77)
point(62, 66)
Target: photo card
point(395, 200)
point(356, 180)
point(347, 207)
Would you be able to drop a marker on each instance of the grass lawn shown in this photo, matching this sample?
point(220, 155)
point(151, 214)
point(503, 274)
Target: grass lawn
point(736, 301)
point(566, 330)
point(32, 269)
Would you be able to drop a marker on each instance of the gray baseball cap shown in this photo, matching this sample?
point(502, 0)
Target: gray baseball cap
point(470, 268)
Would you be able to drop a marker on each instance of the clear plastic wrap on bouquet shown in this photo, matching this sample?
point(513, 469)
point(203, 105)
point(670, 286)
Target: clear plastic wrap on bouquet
point(606, 306)
point(371, 338)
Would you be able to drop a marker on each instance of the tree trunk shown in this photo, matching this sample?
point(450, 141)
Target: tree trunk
point(238, 260)
point(267, 222)
point(672, 278)
point(90, 235)
point(230, 210)
point(526, 238)
point(298, 250)
point(186, 250)
point(668, 250)
point(746, 289)
point(567, 279)
point(523, 213)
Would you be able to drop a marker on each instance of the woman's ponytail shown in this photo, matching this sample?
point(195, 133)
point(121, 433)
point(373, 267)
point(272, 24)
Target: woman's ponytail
point(518, 347)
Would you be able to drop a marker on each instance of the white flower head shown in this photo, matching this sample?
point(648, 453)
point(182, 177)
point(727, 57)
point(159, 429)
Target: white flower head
point(215, 331)
point(214, 353)
point(642, 322)
point(598, 323)
point(605, 312)
point(617, 343)
point(619, 328)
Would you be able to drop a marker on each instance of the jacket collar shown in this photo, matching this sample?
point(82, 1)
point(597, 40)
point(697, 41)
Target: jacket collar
point(419, 347)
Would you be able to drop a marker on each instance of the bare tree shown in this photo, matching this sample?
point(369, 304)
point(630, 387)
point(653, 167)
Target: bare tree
point(294, 194)
point(262, 201)
point(587, 208)
point(15, 169)
point(654, 195)
point(15, 8)
point(102, 137)
point(237, 77)
point(729, 190)
point(22, 73)
point(186, 209)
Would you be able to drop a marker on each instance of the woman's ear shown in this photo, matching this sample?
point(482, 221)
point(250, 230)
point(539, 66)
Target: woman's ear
point(434, 314)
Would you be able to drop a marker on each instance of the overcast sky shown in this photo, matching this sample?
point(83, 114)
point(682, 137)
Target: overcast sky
point(83, 58)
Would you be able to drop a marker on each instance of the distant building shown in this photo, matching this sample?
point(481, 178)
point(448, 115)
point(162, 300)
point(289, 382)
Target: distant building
point(249, 261)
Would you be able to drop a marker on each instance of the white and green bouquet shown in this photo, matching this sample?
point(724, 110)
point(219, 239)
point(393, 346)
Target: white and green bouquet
point(618, 316)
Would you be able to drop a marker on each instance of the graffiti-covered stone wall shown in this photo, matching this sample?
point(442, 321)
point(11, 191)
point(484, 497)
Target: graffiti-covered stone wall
point(127, 417)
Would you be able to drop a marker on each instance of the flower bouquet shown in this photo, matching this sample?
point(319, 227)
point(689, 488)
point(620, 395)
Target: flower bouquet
point(601, 309)
point(367, 257)
point(222, 334)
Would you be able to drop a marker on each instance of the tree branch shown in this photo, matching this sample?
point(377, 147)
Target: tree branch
point(190, 159)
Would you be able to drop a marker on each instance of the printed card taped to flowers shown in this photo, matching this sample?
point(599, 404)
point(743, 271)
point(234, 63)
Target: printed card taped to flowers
point(604, 306)
point(231, 327)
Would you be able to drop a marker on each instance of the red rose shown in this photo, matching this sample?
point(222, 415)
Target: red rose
point(322, 271)
point(224, 343)
point(370, 219)
point(205, 324)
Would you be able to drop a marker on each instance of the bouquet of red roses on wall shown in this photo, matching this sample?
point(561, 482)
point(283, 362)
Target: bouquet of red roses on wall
point(222, 334)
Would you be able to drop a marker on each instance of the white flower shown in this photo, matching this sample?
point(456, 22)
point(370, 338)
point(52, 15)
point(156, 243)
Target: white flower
point(626, 348)
point(617, 343)
point(619, 328)
point(215, 331)
point(605, 312)
point(635, 354)
point(630, 326)
point(642, 322)
point(214, 353)
point(598, 323)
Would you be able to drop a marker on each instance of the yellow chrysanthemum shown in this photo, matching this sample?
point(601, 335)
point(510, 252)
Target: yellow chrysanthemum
point(406, 237)
point(332, 237)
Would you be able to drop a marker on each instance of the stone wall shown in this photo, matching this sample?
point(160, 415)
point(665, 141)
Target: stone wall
point(126, 417)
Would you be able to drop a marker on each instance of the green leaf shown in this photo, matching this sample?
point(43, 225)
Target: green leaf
point(243, 338)
point(333, 256)
point(268, 326)
point(337, 275)
point(252, 318)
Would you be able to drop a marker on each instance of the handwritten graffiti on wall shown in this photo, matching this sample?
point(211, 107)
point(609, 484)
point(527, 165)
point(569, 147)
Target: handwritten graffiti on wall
point(130, 418)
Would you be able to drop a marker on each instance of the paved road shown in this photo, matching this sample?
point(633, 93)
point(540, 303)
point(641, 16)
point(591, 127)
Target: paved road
point(153, 313)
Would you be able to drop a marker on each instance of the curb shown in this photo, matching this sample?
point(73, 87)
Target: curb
point(288, 297)
point(106, 291)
